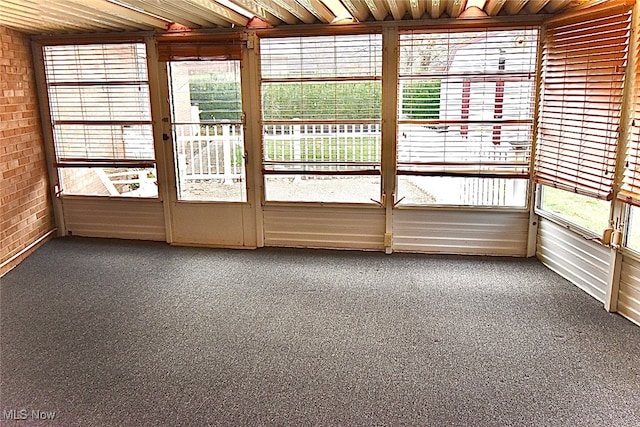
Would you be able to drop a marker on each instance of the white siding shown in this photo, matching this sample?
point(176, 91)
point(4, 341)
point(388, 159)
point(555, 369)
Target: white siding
point(112, 217)
point(629, 290)
point(324, 227)
point(451, 231)
point(583, 262)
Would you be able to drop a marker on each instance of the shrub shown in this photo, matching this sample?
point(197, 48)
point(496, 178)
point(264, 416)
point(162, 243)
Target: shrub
point(421, 100)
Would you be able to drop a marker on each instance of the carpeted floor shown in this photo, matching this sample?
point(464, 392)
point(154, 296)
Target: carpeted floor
point(108, 332)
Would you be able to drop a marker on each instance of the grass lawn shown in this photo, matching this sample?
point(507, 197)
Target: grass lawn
point(589, 213)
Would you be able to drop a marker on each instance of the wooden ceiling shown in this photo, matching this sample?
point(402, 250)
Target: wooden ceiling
point(102, 16)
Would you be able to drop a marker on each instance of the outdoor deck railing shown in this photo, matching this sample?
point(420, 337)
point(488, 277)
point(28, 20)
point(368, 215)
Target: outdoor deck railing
point(215, 152)
point(210, 151)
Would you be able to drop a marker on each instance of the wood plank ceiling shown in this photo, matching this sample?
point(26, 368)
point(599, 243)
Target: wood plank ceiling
point(100, 16)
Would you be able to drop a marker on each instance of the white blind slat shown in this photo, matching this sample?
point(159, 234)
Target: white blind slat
point(321, 103)
point(465, 102)
point(99, 102)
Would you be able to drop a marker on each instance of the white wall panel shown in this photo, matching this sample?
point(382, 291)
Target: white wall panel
point(324, 227)
point(210, 224)
point(629, 289)
point(451, 231)
point(581, 261)
point(141, 219)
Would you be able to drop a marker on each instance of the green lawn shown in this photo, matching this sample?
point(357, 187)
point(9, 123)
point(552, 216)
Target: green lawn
point(359, 149)
point(586, 212)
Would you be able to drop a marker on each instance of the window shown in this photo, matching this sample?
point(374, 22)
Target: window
point(588, 213)
point(632, 239)
point(101, 118)
point(321, 102)
point(584, 64)
point(465, 113)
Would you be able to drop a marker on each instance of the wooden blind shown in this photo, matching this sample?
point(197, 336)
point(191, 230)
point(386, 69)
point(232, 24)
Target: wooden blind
point(583, 73)
point(630, 191)
point(202, 51)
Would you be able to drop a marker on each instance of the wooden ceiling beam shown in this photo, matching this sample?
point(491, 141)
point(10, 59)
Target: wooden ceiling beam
point(196, 14)
point(535, 6)
point(278, 11)
point(222, 12)
point(435, 8)
point(493, 7)
point(34, 25)
point(455, 7)
point(56, 18)
point(417, 8)
point(257, 10)
point(513, 7)
point(21, 7)
point(167, 10)
point(557, 5)
point(123, 12)
point(80, 12)
point(318, 9)
point(378, 9)
point(357, 9)
point(297, 10)
point(398, 9)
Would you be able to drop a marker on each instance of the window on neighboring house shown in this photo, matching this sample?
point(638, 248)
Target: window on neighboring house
point(101, 117)
point(321, 102)
point(465, 116)
point(584, 65)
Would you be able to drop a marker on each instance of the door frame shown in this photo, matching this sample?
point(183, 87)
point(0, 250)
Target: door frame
point(204, 223)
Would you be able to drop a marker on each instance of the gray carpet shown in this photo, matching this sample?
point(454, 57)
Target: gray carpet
point(108, 332)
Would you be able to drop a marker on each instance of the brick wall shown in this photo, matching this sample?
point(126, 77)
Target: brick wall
point(25, 207)
point(82, 181)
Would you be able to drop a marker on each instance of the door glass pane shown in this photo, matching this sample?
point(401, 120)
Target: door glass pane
point(206, 112)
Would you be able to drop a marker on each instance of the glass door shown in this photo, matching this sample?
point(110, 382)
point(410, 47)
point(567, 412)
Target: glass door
point(206, 121)
point(208, 142)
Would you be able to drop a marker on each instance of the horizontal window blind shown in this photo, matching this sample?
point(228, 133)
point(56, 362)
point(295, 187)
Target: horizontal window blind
point(465, 102)
point(321, 102)
point(99, 104)
point(219, 50)
point(332, 57)
point(581, 95)
point(630, 191)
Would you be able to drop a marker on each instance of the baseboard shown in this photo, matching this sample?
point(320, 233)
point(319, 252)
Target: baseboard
point(16, 259)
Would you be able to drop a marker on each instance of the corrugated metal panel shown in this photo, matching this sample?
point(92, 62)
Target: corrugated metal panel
point(629, 290)
point(473, 232)
point(583, 262)
point(84, 16)
point(119, 218)
point(324, 227)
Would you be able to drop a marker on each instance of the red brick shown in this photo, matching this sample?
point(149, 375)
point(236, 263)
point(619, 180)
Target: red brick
point(26, 211)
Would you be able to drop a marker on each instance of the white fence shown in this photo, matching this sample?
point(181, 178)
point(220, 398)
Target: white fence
point(210, 152)
point(322, 143)
point(216, 152)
